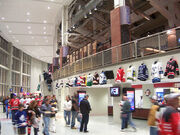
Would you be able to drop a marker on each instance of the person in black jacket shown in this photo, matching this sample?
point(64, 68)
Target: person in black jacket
point(85, 109)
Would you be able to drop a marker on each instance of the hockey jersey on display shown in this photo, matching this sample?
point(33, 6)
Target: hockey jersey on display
point(96, 78)
point(131, 74)
point(89, 80)
point(102, 78)
point(156, 72)
point(143, 72)
point(120, 75)
point(171, 68)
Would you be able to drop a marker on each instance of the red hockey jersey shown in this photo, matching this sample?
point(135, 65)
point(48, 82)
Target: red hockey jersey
point(171, 69)
point(120, 75)
point(170, 122)
point(14, 104)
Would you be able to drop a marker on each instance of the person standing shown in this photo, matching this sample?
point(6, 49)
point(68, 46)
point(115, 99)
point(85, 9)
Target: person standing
point(6, 105)
point(46, 110)
point(85, 109)
point(152, 116)
point(170, 121)
point(67, 110)
point(74, 111)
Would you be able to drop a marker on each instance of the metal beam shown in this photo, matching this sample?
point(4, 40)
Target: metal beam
point(89, 6)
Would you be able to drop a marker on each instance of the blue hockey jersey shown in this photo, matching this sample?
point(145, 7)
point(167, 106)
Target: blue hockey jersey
point(21, 119)
point(143, 72)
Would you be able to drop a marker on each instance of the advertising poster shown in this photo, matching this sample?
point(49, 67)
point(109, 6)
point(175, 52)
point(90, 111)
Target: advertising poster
point(81, 96)
point(130, 96)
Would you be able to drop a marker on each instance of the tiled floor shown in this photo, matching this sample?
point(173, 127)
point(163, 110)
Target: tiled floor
point(98, 125)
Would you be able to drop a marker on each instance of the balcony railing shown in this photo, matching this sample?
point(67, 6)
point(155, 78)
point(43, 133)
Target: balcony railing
point(157, 43)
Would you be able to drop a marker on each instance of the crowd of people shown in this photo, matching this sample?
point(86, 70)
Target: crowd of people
point(26, 111)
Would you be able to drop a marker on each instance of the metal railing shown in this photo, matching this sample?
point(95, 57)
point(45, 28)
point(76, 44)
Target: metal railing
point(157, 43)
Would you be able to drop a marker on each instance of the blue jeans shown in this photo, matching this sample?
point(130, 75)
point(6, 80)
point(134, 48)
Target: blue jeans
point(13, 116)
point(46, 125)
point(84, 122)
point(153, 131)
point(124, 119)
point(74, 115)
point(67, 114)
point(130, 121)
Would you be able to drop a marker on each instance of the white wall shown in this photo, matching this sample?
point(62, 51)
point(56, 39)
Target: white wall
point(37, 68)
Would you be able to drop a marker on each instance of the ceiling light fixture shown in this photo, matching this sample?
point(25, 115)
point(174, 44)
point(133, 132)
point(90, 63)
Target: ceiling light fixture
point(95, 9)
point(90, 12)
point(29, 27)
point(27, 20)
point(52, 0)
point(45, 37)
point(10, 31)
point(2, 18)
point(32, 37)
point(44, 21)
point(7, 26)
point(44, 32)
point(47, 41)
point(73, 27)
point(17, 40)
point(44, 28)
point(85, 16)
point(49, 7)
point(28, 13)
point(13, 37)
point(30, 32)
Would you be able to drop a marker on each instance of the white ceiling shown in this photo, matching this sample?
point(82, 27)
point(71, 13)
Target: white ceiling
point(31, 25)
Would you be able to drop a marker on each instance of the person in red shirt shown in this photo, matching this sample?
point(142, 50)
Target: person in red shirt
point(170, 122)
point(14, 106)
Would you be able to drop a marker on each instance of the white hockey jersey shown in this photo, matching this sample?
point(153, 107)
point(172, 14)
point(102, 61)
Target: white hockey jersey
point(156, 70)
point(102, 78)
point(131, 74)
point(90, 78)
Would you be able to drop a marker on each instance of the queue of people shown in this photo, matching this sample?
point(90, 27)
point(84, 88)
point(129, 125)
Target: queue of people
point(27, 110)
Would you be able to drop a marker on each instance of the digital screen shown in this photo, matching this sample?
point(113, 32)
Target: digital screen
point(130, 96)
point(115, 91)
point(81, 96)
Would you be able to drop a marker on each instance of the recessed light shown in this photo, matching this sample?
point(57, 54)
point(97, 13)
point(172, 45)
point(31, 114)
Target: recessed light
point(13, 37)
point(2, 18)
point(44, 21)
point(45, 37)
point(7, 26)
point(49, 7)
point(52, 0)
point(29, 27)
point(10, 31)
point(17, 40)
point(28, 13)
point(32, 37)
point(27, 20)
point(47, 41)
point(44, 28)
point(30, 32)
point(44, 32)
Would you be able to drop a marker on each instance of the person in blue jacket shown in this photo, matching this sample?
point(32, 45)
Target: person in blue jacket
point(21, 120)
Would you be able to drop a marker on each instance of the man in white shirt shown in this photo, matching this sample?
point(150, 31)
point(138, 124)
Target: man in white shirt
point(67, 110)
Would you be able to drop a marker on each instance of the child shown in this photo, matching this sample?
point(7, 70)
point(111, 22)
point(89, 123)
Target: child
point(21, 120)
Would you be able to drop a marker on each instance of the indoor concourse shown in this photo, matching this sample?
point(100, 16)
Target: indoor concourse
point(98, 125)
point(97, 67)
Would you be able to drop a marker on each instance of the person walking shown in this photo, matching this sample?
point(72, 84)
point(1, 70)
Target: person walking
point(85, 109)
point(152, 116)
point(46, 110)
point(67, 110)
point(34, 116)
point(126, 114)
point(170, 121)
point(74, 111)
point(53, 103)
